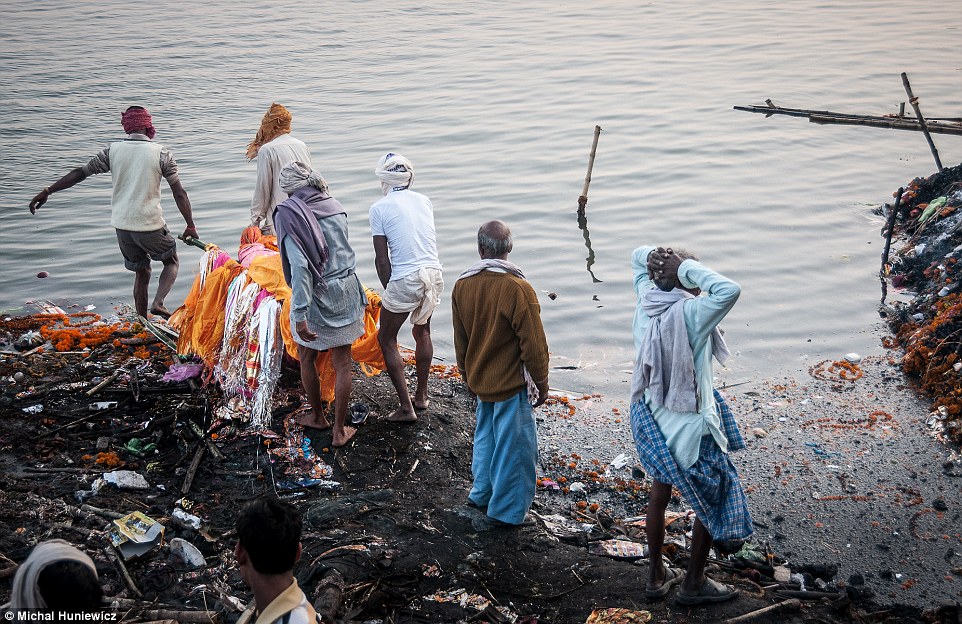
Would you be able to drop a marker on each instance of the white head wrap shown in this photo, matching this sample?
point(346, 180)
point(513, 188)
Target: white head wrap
point(25, 593)
point(395, 171)
point(297, 174)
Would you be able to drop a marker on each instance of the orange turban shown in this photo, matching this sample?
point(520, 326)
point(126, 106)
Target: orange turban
point(276, 122)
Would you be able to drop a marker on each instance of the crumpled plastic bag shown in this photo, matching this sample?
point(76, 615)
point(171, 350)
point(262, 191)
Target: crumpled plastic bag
point(183, 372)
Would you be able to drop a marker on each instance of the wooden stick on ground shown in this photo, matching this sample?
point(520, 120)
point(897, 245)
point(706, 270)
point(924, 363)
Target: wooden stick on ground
point(794, 604)
point(914, 101)
point(583, 200)
point(194, 465)
point(124, 572)
point(105, 382)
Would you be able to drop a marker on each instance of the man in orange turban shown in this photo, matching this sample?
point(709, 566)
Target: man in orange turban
point(273, 148)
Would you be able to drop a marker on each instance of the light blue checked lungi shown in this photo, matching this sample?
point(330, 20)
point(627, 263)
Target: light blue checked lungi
point(711, 485)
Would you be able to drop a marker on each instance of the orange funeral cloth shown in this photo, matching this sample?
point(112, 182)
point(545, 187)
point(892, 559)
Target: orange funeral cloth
point(200, 319)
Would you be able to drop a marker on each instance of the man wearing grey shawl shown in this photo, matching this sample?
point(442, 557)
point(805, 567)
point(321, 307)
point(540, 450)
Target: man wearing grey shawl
point(327, 304)
point(682, 427)
point(56, 576)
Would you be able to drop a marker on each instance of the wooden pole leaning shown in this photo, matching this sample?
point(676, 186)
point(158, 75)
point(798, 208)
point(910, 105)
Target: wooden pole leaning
point(914, 101)
point(890, 226)
point(583, 200)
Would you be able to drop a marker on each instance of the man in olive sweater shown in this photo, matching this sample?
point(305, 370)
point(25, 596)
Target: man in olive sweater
point(503, 357)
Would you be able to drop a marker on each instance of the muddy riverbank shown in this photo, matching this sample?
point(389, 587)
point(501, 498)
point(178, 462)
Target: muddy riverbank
point(841, 472)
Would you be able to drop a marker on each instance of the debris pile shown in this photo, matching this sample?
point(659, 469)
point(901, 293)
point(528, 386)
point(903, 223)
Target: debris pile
point(128, 458)
point(929, 326)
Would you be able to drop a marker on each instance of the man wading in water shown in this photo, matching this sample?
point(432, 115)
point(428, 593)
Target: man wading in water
point(136, 165)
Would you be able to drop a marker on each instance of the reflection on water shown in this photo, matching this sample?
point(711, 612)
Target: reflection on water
point(491, 102)
point(583, 226)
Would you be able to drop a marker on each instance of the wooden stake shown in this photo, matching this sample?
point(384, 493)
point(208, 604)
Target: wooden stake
point(583, 200)
point(889, 227)
point(914, 101)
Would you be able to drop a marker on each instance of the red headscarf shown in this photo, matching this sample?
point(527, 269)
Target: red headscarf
point(136, 119)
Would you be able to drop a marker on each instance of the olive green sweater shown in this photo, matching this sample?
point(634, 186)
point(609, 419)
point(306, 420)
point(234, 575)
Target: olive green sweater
point(497, 328)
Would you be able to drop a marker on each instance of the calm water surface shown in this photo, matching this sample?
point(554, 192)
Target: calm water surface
point(496, 106)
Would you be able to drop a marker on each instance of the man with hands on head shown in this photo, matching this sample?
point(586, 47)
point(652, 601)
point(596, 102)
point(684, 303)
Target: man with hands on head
point(682, 426)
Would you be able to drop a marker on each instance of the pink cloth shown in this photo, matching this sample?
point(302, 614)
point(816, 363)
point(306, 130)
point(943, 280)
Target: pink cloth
point(248, 252)
point(182, 372)
point(220, 260)
point(136, 119)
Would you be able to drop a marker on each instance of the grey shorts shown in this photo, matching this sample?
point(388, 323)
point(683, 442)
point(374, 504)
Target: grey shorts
point(139, 248)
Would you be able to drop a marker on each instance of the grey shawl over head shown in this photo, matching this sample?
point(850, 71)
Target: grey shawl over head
point(296, 222)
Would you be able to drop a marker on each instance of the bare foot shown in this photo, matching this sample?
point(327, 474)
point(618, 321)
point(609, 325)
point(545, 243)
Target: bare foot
point(160, 311)
point(307, 419)
point(422, 405)
point(402, 416)
point(339, 439)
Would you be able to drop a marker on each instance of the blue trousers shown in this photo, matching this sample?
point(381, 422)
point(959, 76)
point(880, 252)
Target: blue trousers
point(505, 458)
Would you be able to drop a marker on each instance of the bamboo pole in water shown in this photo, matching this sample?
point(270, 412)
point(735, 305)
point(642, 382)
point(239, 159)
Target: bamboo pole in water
point(583, 200)
point(914, 101)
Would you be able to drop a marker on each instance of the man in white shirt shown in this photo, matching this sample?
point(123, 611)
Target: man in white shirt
point(136, 165)
point(406, 257)
point(274, 148)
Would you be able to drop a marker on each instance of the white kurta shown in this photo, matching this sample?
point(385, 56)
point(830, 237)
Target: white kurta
point(271, 158)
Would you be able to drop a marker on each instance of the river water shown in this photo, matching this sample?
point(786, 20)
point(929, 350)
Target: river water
point(496, 105)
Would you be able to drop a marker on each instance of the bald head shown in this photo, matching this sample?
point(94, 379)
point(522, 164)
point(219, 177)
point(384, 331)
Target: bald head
point(494, 240)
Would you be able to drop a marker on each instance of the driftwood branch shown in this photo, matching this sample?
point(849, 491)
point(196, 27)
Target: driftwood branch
point(939, 125)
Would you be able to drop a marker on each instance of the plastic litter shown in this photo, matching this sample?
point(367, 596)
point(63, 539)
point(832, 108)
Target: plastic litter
point(135, 535)
point(325, 485)
point(621, 461)
point(615, 615)
point(619, 549)
point(183, 372)
point(33, 409)
point(126, 480)
point(359, 413)
point(137, 446)
point(187, 552)
point(102, 405)
point(185, 519)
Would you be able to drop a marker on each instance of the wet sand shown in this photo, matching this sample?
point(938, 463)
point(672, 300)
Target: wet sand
point(839, 470)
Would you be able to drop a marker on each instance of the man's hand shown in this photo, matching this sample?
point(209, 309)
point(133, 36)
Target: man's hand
point(663, 262)
point(542, 393)
point(39, 200)
point(304, 331)
point(190, 232)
